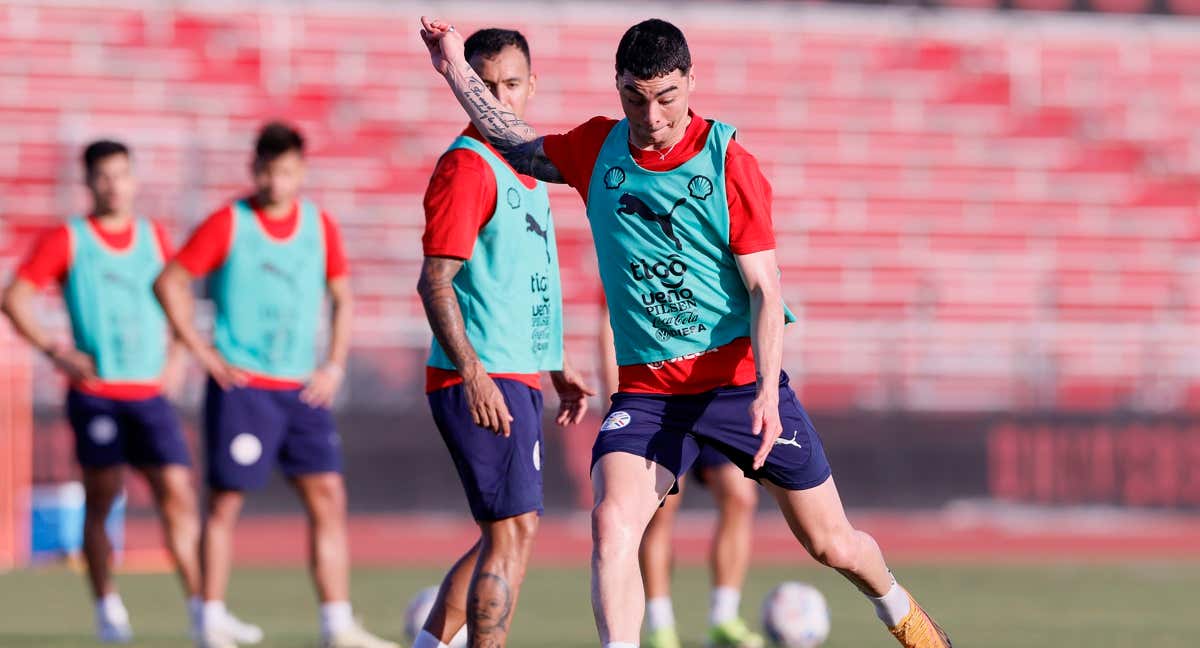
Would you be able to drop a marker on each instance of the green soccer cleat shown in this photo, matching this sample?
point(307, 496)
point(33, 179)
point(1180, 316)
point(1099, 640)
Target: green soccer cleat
point(734, 633)
point(662, 638)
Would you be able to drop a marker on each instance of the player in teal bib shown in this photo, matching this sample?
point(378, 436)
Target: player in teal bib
point(106, 263)
point(662, 241)
point(271, 262)
point(124, 331)
point(492, 294)
point(509, 291)
point(671, 280)
point(268, 295)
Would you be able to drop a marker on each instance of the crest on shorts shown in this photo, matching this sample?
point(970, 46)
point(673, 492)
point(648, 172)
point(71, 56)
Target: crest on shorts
point(615, 421)
point(102, 430)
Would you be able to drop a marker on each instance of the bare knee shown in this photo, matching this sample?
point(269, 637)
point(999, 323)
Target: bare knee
point(837, 548)
point(224, 508)
point(178, 500)
point(514, 533)
point(741, 500)
point(614, 532)
point(325, 496)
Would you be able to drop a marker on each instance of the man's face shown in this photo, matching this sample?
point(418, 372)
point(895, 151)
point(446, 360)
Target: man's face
point(656, 108)
point(112, 184)
point(508, 77)
point(278, 181)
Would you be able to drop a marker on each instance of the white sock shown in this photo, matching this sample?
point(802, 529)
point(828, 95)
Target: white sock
point(891, 608)
point(111, 608)
point(659, 613)
point(426, 640)
point(335, 617)
point(195, 608)
point(725, 601)
point(213, 613)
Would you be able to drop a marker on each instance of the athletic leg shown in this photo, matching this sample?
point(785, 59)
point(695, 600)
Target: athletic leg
point(449, 612)
point(175, 499)
point(628, 489)
point(496, 584)
point(655, 559)
point(736, 498)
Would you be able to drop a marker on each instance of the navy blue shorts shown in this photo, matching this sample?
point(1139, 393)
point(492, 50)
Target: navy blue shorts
point(112, 432)
point(501, 476)
point(671, 430)
point(248, 431)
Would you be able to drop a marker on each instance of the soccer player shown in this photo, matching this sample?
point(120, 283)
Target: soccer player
point(118, 366)
point(490, 286)
point(729, 558)
point(680, 217)
point(272, 257)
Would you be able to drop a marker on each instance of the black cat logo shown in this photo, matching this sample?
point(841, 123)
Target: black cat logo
point(632, 205)
point(536, 228)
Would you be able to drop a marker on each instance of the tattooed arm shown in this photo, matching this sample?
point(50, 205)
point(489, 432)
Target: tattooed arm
point(515, 139)
point(484, 398)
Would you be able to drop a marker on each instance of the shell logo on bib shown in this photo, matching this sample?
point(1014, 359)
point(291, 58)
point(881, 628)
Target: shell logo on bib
point(615, 421)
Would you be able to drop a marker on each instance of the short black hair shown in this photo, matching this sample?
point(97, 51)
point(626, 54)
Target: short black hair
point(491, 41)
point(275, 139)
point(653, 48)
point(100, 150)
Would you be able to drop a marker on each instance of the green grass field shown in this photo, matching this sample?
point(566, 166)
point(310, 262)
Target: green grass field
point(1060, 606)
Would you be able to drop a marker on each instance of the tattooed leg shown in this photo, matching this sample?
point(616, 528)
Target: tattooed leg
point(503, 556)
point(449, 612)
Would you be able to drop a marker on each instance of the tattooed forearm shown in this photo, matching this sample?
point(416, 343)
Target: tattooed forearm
point(443, 312)
point(498, 124)
point(490, 608)
point(515, 139)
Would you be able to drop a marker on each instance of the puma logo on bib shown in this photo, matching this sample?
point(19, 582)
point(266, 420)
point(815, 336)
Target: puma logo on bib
point(631, 205)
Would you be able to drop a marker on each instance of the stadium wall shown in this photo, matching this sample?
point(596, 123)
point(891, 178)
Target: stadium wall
point(987, 222)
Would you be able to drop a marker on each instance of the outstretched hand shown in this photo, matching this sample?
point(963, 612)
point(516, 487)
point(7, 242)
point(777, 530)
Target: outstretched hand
point(444, 43)
point(573, 395)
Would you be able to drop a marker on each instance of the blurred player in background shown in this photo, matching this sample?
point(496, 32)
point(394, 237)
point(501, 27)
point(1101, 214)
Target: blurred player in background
point(680, 216)
point(491, 290)
point(729, 557)
point(118, 367)
point(272, 258)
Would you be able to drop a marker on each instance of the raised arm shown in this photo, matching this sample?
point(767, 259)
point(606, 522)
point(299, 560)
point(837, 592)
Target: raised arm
point(515, 139)
point(760, 273)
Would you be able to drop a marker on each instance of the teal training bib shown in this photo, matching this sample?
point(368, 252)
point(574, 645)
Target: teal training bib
point(268, 295)
point(662, 240)
point(115, 317)
point(509, 291)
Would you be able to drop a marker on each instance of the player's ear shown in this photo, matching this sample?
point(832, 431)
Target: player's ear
point(691, 78)
point(532, 84)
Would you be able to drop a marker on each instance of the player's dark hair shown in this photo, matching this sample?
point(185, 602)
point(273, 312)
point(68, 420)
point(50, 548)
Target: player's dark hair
point(274, 140)
point(491, 41)
point(653, 48)
point(100, 150)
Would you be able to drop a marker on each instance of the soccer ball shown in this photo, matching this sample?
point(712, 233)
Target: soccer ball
point(418, 610)
point(795, 616)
